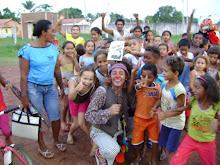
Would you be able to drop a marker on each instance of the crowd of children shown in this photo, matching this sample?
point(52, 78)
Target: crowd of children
point(164, 80)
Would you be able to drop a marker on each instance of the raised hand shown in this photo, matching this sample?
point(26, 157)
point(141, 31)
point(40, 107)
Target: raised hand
point(144, 81)
point(103, 15)
point(115, 109)
point(107, 80)
point(62, 16)
point(80, 86)
point(135, 15)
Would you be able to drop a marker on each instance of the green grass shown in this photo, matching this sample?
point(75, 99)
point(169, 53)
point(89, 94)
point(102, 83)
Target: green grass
point(9, 51)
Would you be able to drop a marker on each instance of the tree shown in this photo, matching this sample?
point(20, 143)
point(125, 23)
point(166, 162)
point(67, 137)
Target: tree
point(28, 5)
point(149, 19)
point(8, 14)
point(45, 7)
point(71, 13)
point(93, 17)
point(115, 16)
point(167, 14)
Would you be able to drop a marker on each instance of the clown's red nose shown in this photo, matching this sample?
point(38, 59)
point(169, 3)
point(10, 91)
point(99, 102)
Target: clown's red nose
point(117, 76)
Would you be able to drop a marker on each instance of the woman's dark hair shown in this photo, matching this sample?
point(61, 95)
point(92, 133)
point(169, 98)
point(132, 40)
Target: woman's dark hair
point(80, 49)
point(97, 30)
point(167, 31)
point(214, 50)
point(204, 42)
point(210, 87)
point(154, 50)
point(87, 41)
point(175, 63)
point(41, 25)
point(67, 42)
point(138, 27)
point(150, 67)
point(119, 20)
point(184, 42)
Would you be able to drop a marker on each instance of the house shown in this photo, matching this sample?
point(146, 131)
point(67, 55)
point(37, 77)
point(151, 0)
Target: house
point(29, 19)
point(6, 28)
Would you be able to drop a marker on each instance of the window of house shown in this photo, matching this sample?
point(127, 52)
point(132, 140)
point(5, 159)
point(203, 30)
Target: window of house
point(6, 30)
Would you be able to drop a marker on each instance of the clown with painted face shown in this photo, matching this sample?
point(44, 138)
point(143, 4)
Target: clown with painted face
point(107, 107)
point(209, 31)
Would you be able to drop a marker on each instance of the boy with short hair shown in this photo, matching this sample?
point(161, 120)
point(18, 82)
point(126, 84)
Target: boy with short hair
point(148, 92)
point(74, 37)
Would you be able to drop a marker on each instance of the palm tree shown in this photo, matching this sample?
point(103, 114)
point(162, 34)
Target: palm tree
point(28, 5)
point(45, 7)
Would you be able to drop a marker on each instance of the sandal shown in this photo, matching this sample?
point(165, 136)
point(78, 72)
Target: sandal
point(134, 162)
point(64, 128)
point(163, 158)
point(47, 154)
point(60, 147)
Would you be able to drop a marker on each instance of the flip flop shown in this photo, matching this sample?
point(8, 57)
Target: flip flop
point(64, 128)
point(69, 123)
point(164, 157)
point(46, 154)
point(60, 147)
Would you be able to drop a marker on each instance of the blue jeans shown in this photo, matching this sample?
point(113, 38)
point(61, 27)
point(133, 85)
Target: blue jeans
point(44, 95)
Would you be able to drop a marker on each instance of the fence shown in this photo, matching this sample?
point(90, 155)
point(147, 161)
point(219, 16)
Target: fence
point(175, 28)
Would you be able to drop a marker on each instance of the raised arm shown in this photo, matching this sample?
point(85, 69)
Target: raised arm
point(131, 83)
point(59, 25)
point(189, 26)
point(109, 31)
point(137, 21)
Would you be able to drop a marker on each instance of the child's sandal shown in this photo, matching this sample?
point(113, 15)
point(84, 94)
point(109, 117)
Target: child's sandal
point(163, 158)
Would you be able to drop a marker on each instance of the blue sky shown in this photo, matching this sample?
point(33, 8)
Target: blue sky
point(142, 7)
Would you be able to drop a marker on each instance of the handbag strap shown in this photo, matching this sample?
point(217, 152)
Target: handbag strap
point(39, 115)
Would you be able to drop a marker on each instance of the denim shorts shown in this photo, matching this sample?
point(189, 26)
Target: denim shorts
point(169, 138)
point(44, 96)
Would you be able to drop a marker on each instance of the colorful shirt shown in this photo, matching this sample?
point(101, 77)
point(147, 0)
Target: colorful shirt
point(42, 62)
point(200, 120)
point(95, 114)
point(76, 41)
point(213, 73)
point(169, 101)
point(146, 99)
